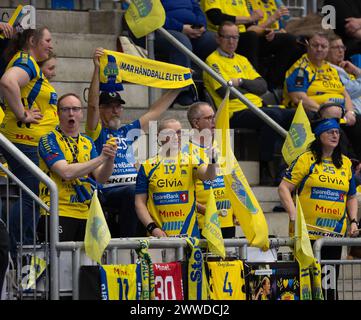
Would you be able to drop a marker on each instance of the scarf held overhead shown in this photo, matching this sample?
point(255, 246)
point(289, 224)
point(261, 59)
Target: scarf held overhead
point(116, 67)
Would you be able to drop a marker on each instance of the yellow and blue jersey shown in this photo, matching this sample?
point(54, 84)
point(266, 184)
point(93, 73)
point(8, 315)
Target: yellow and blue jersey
point(319, 83)
point(124, 171)
point(323, 191)
point(120, 282)
point(236, 67)
point(226, 280)
point(74, 195)
point(219, 190)
point(37, 94)
point(229, 7)
point(170, 186)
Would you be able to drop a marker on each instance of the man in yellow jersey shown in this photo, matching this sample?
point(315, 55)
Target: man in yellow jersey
point(71, 160)
point(165, 190)
point(315, 81)
point(236, 68)
point(201, 118)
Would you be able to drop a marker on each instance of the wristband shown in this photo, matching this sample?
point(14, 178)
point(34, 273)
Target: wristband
point(151, 226)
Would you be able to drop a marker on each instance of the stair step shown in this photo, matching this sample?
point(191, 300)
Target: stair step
point(78, 4)
point(81, 45)
point(266, 193)
point(277, 225)
point(74, 70)
point(66, 21)
point(135, 96)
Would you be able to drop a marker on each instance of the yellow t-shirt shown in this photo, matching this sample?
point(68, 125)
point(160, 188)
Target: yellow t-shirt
point(230, 7)
point(268, 8)
point(323, 192)
point(170, 186)
point(74, 195)
point(228, 68)
point(320, 84)
point(226, 280)
point(37, 94)
point(120, 282)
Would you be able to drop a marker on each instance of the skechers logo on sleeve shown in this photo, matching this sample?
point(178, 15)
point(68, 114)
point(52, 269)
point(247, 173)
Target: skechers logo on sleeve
point(327, 194)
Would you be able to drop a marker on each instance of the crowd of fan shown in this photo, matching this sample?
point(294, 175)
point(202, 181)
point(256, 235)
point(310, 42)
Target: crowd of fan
point(244, 41)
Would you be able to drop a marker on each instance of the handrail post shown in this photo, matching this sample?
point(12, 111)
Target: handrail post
point(223, 82)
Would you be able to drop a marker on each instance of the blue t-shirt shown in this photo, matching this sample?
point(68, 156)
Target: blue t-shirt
point(124, 172)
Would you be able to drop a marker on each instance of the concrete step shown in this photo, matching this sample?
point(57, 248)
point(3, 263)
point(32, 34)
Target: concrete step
point(266, 193)
point(134, 95)
point(80, 45)
point(277, 225)
point(78, 4)
point(251, 171)
point(74, 70)
point(64, 21)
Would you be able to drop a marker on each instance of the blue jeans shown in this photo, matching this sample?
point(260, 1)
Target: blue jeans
point(28, 231)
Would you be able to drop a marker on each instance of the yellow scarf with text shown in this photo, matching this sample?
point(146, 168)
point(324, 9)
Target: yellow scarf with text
point(147, 272)
point(197, 281)
point(116, 67)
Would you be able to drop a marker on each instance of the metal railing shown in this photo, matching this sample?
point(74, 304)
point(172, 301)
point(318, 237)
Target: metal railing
point(52, 209)
point(348, 284)
point(178, 244)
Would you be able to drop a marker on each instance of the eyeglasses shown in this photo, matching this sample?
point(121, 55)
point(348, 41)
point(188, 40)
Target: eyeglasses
point(229, 37)
point(67, 109)
point(343, 48)
point(209, 118)
point(332, 132)
point(321, 46)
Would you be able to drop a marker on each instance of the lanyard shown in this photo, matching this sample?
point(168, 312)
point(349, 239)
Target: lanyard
point(72, 144)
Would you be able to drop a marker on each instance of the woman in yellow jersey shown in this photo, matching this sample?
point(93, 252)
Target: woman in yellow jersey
point(30, 112)
point(324, 182)
point(165, 189)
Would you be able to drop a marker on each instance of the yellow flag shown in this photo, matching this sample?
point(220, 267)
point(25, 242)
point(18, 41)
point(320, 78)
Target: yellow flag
point(212, 228)
point(303, 250)
point(245, 205)
point(14, 18)
point(144, 16)
point(116, 67)
point(97, 235)
point(35, 269)
point(299, 136)
point(310, 270)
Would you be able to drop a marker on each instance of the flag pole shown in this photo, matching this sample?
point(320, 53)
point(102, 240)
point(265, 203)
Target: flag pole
point(220, 79)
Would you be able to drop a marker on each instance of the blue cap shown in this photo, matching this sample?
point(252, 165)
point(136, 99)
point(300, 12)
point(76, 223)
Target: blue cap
point(326, 125)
